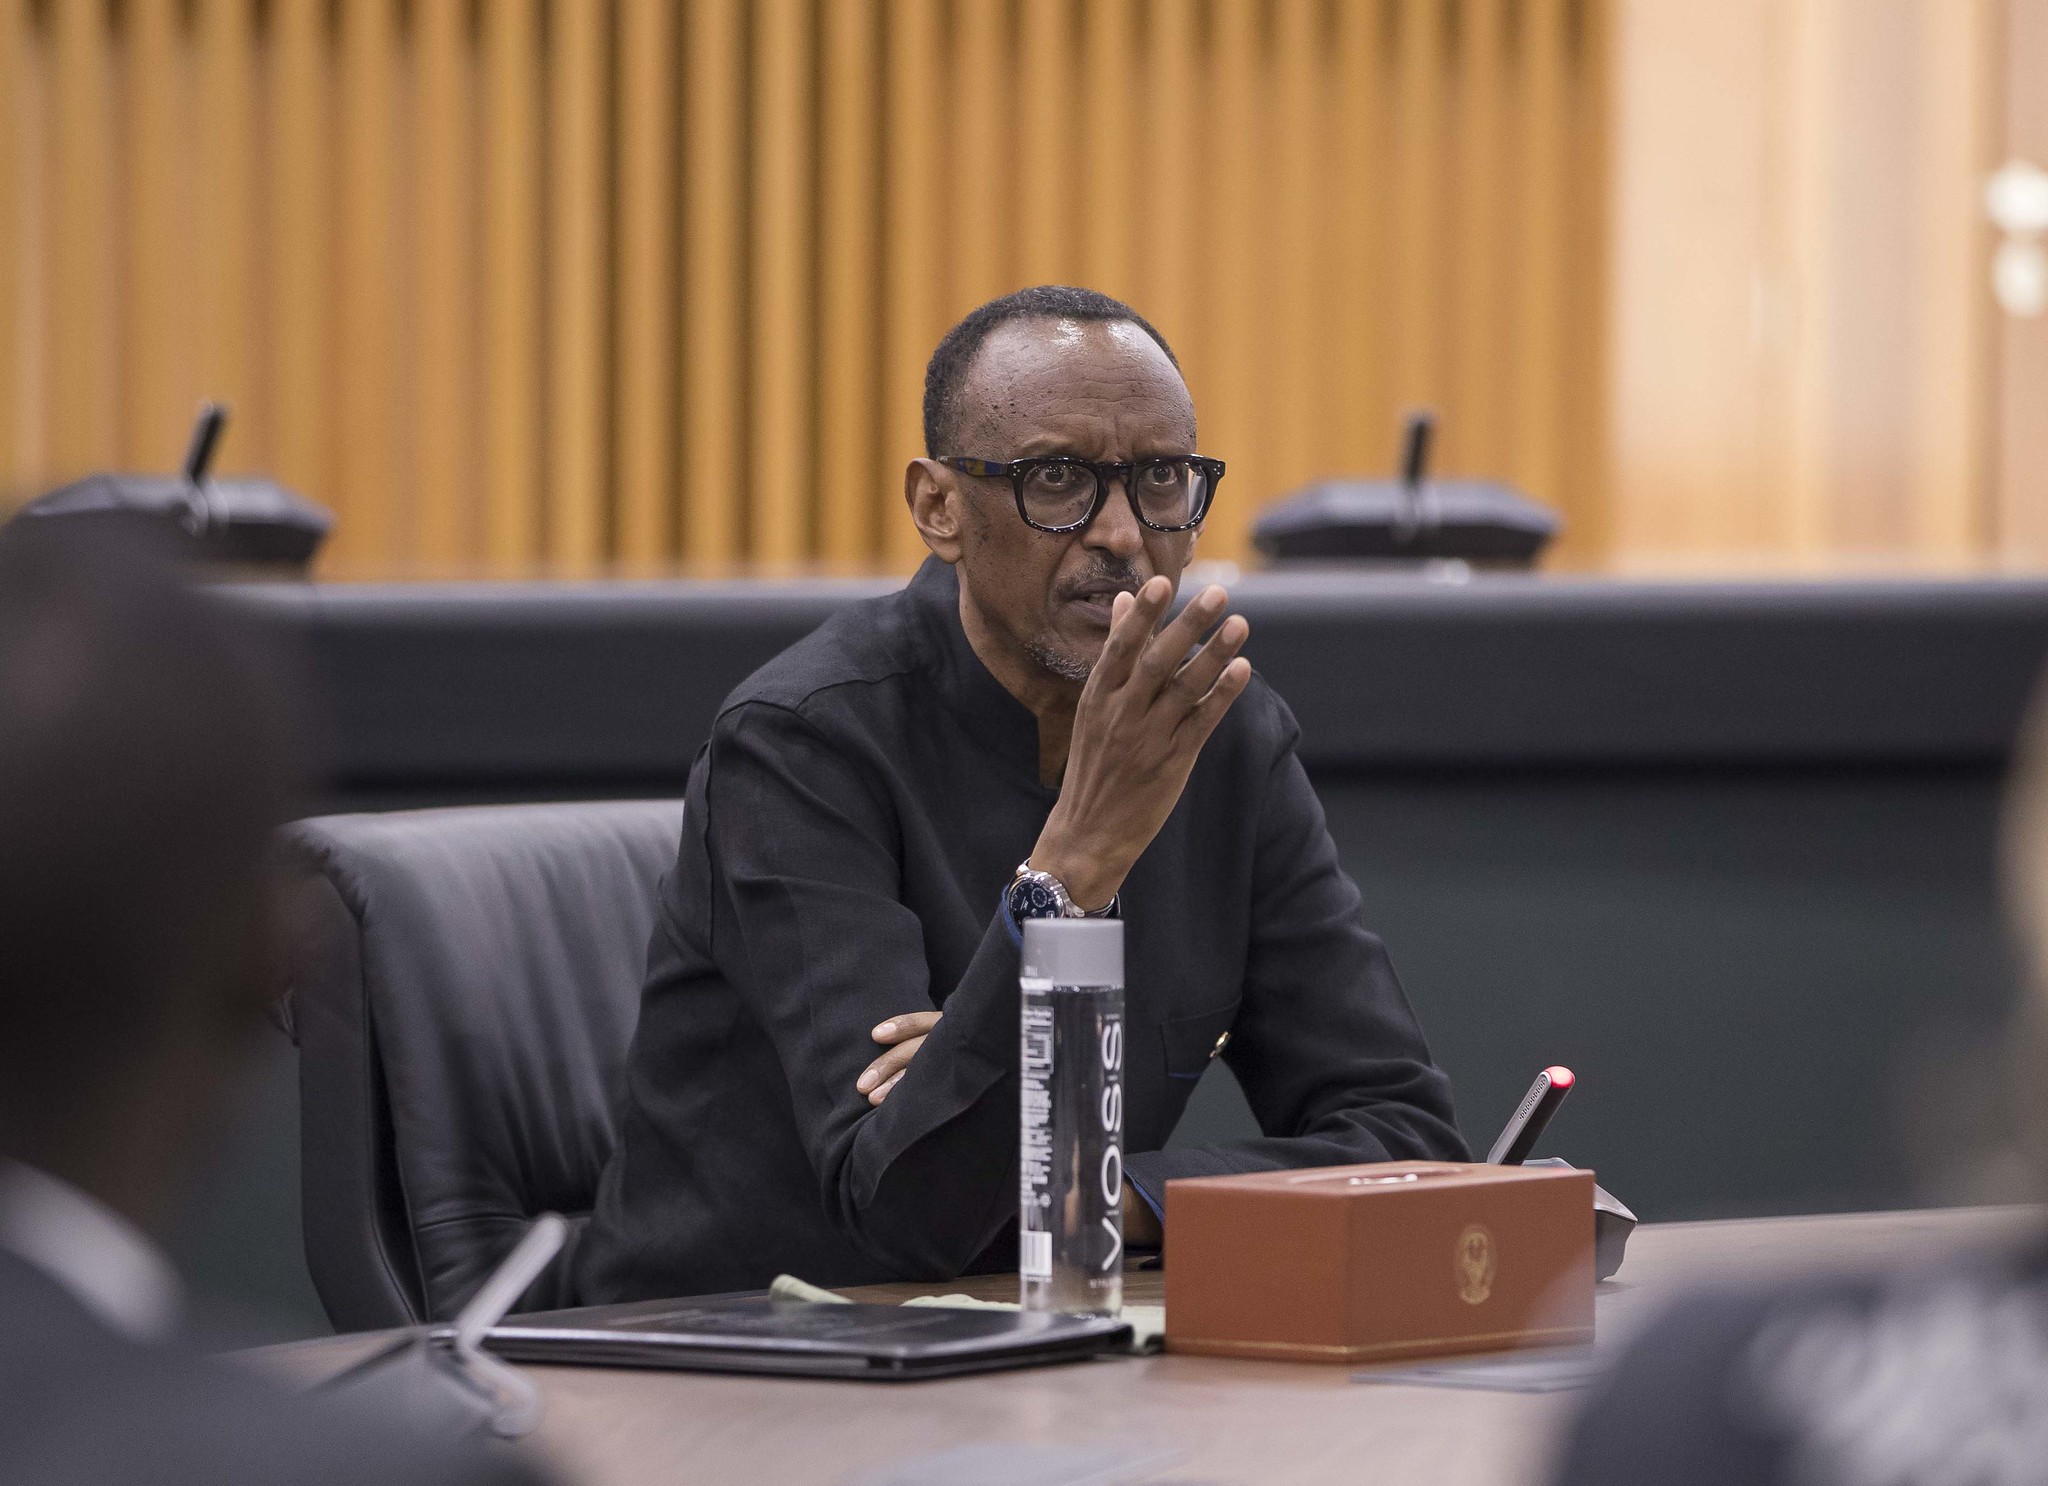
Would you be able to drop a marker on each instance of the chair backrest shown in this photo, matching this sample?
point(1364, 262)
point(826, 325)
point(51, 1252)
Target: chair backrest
point(467, 983)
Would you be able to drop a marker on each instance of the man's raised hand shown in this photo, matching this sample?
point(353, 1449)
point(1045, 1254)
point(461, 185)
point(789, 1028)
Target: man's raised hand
point(1145, 712)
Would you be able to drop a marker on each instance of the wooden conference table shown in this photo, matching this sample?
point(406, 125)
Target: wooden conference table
point(1226, 1421)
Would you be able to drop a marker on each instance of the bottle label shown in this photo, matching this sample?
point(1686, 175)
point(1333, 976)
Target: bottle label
point(1034, 1254)
point(1070, 1149)
point(1034, 1238)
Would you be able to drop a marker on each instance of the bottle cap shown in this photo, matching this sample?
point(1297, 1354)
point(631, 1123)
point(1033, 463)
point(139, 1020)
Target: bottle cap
point(1074, 951)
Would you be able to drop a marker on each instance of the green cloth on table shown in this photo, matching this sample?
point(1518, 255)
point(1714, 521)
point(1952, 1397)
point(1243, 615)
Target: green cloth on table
point(1147, 1322)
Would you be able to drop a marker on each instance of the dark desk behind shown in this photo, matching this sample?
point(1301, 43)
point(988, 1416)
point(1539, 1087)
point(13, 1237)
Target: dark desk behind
point(448, 690)
point(1726, 849)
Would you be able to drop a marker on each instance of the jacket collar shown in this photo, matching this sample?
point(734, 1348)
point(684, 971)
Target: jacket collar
point(998, 721)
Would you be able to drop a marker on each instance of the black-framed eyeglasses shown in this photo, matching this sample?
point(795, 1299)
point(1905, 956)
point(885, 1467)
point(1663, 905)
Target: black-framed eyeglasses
point(1170, 492)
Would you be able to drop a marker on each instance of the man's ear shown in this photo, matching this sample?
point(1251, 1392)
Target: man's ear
point(934, 500)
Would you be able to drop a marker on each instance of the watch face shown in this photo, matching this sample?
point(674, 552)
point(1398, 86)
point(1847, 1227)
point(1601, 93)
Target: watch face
point(1031, 898)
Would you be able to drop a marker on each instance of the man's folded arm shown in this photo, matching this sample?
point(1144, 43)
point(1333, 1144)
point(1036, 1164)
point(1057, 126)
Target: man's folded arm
point(807, 853)
point(1325, 1044)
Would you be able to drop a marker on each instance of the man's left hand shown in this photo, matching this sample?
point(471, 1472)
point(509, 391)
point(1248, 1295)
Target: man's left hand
point(903, 1036)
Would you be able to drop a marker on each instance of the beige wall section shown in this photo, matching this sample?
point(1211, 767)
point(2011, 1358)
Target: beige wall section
point(2020, 447)
point(1799, 311)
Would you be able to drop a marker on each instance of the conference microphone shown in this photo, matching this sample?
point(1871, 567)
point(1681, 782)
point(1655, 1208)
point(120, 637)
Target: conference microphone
point(1413, 519)
point(1612, 1220)
point(1530, 1116)
point(241, 522)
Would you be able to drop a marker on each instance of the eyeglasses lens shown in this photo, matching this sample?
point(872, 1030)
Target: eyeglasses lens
point(1169, 492)
point(1059, 494)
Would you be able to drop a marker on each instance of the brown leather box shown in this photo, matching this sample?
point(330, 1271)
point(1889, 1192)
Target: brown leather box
point(1371, 1263)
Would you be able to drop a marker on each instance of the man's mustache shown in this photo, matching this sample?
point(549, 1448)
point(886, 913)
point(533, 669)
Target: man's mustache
point(1118, 575)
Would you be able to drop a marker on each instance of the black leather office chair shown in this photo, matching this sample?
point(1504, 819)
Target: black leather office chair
point(467, 984)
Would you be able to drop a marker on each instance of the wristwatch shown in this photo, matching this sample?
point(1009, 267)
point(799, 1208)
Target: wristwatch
point(1035, 894)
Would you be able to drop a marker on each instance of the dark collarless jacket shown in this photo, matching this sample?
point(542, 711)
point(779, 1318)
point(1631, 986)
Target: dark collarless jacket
point(850, 828)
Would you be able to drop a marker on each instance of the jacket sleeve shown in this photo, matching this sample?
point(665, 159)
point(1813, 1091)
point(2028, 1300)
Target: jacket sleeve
point(1325, 1044)
point(807, 855)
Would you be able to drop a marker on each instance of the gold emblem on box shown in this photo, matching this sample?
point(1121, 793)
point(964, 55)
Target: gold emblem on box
point(1476, 1263)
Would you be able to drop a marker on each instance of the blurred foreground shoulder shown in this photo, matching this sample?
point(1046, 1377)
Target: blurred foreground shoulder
point(1930, 1376)
point(1662, 1416)
point(194, 1421)
point(82, 1405)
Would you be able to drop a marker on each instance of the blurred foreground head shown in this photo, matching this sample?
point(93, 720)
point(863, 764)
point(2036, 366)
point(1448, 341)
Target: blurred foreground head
point(147, 752)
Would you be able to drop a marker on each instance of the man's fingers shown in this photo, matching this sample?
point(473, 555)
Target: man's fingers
point(1163, 656)
point(1133, 617)
point(1202, 718)
point(887, 1068)
point(910, 1024)
point(905, 1034)
point(1194, 680)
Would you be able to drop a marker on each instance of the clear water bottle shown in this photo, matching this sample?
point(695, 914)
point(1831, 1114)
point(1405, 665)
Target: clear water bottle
point(1070, 1230)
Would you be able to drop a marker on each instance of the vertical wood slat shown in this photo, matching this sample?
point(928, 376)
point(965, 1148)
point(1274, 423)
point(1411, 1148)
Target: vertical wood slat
point(225, 198)
point(443, 313)
point(714, 221)
point(576, 283)
point(13, 90)
point(912, 322)
point(1174, 113)
point(81, 332)
point(645, 375)
point(1234, 387)
point(1416, 200)
point(1475, 438)
point(512, 286)
point(1542, 172)
point(299, 320)
point(779, 411)
point(368, 526)
point(1044, 208)
point(1588, 537)
point(1358, 433)
point(850, 503)
point(1300, 246)
point(1107, 107)
point(33, 107)
point(155, 376)
point(979, 230)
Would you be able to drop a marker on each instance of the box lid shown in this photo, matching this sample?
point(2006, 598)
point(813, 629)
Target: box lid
point(1337, 1183)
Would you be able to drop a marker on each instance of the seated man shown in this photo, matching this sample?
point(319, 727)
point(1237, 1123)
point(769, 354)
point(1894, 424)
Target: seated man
point(144, 763)
point(850, 873)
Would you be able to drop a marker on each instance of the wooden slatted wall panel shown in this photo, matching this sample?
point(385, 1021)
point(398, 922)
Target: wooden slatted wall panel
point(628, 285)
